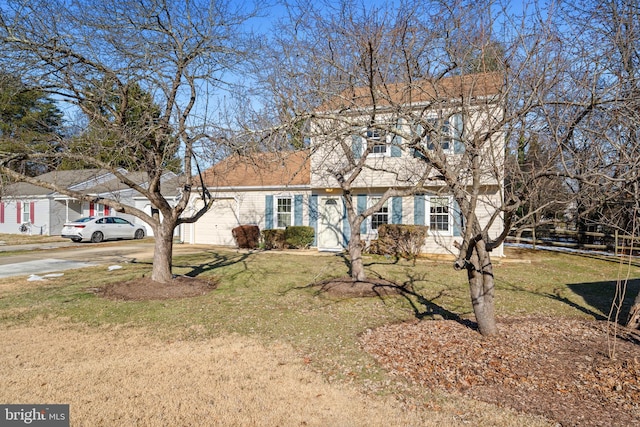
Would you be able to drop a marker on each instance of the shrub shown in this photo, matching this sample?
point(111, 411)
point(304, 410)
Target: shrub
point(399, 240)
point(274, 239)
point(246, 236)
point(299, 236)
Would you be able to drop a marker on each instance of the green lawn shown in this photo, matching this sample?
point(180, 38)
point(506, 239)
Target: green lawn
point(267, 295)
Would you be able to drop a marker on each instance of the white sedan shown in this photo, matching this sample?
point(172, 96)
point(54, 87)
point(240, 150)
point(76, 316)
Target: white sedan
point(97, 229)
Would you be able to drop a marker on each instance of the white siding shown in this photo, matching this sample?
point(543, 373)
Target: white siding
point(233, 208)
point(40, 215)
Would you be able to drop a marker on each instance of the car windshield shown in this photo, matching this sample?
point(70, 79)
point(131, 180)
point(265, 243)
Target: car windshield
point(87, 219)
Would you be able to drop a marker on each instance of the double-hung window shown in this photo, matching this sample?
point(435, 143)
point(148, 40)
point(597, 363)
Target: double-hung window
point(440, 214)
point(441, 132)
point(377, 140)
point(284, 212)
point(102, 210)
point(26, 212)
point(98, 209)
point(381, 216)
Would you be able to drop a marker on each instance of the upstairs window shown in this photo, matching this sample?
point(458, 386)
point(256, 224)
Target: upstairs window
point(447, 133)
point(442, 132)
point(377, 140)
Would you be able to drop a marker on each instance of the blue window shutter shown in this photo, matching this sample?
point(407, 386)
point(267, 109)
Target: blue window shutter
point(417, 154)
point(396, 141)
point(346, 228)
point(362, 206)
point(268, 212)
point(458, 131)
point(297, 209)
point(313, 217)
point(396, 210)
point(396, 151)
point(356, 146)
point(457, 219)
point(418, 210)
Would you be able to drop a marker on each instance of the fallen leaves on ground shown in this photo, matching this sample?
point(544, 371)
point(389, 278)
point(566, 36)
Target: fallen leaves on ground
point(558, 368)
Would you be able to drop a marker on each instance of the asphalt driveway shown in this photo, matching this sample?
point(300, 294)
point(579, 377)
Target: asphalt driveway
point(26, 260)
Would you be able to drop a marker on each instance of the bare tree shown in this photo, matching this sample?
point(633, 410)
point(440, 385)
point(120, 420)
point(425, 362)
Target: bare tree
point(434, 84)
point(604, 148)
point(475, 94)
point(94, 57)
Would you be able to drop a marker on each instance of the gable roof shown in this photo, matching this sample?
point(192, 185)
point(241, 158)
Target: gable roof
point(88, 181)
point(169, 182)
point(63, 178)
point(260, 170)
point(418, 92)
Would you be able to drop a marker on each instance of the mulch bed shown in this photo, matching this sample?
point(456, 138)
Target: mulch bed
point(558, 368)
point(145, 289)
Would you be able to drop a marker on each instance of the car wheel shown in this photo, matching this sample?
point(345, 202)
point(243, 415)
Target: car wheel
point(77, 240)
point(139, 234)
point(97, 237)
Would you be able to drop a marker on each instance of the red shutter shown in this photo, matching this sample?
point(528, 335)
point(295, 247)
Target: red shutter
point(91, 209)
point(19, 215)
point(106, 210)
point(1, 213)
point(32, 212)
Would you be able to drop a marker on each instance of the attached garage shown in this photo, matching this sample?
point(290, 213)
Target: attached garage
point(214, 227)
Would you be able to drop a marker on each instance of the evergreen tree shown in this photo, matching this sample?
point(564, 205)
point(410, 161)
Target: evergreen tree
point(29, 121)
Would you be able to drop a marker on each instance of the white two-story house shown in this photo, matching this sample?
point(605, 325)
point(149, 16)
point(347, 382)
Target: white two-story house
point(367, 150)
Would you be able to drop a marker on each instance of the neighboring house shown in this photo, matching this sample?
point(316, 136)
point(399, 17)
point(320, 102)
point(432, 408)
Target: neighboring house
point(274, 190)
point(27, 208)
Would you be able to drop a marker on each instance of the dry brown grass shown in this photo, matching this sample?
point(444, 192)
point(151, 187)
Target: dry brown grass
point(22, 239)
point(127, 376)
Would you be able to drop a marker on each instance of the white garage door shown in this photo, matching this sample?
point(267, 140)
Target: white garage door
point(214, 228)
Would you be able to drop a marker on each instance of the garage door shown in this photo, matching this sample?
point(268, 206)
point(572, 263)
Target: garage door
point(214, 228)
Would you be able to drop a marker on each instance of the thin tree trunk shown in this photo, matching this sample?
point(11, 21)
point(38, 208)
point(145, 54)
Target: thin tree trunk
point(163, 254)
point(481, 287)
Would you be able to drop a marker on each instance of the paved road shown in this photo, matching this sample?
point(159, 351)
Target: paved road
point(47, 258)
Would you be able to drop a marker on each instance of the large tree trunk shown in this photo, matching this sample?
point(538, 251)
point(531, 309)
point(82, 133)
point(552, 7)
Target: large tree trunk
point(481, 287)
point(355, 253)
point(633, 321)
point(163, 253)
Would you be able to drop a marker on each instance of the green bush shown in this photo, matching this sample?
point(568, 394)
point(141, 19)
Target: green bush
point(299, 236)
point(274, 239)
point(399, 240)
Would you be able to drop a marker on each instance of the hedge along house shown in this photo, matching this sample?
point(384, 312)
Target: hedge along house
point(27, 208)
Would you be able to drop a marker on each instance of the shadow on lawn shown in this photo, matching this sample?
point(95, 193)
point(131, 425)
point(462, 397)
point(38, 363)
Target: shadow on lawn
point(601, 295)
point(423, 307)
point(215, 261)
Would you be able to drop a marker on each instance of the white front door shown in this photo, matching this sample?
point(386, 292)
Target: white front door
point(330, 227)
